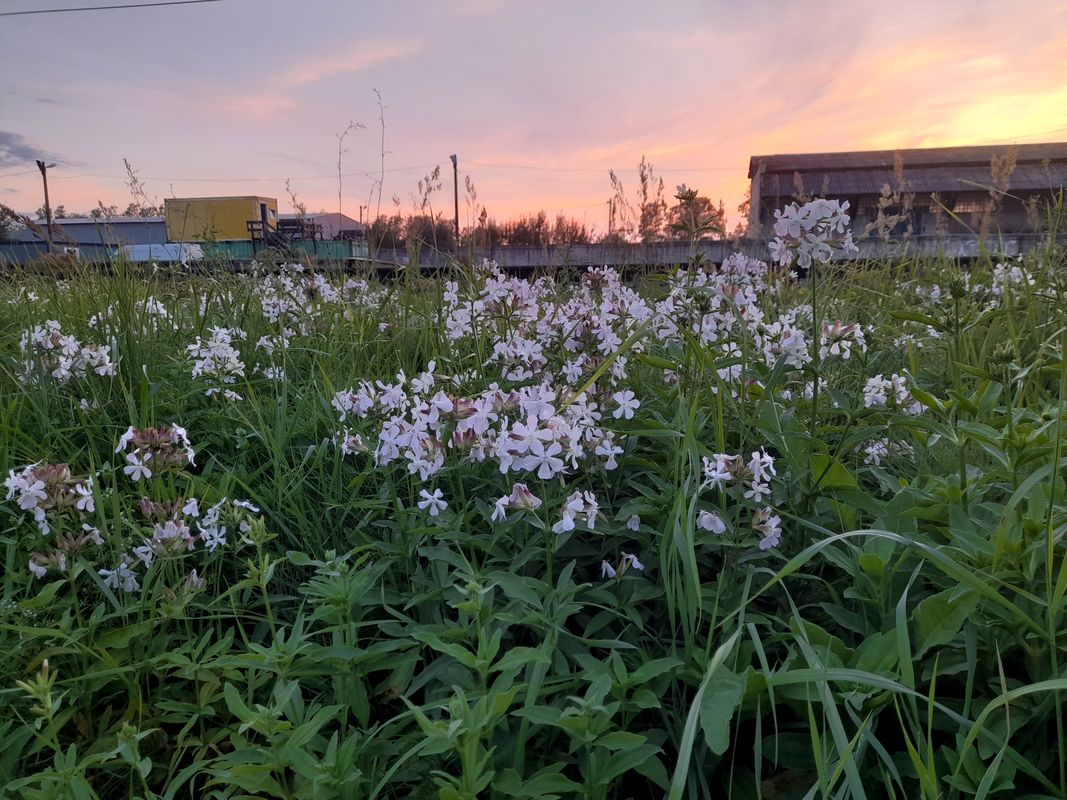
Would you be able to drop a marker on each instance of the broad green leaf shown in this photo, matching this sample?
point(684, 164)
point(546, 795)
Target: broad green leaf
point(940, 617)
point(830, 473)
point(717, 708)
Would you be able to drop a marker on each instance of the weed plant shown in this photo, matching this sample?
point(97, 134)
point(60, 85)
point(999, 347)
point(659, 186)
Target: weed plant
point(883, 617)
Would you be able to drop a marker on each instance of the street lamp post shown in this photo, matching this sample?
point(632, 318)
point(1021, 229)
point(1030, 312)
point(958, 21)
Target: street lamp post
point(47, 207)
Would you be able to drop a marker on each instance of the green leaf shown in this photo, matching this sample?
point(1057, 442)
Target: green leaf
point(688, 741)
point(653, 669)
point(456, 651)
point(877, 653)
point(831, 473)
point(621, 740)
point(540, 715)
point(717, 708)
point(519, 657)
point(236, 703)
point(940, 617)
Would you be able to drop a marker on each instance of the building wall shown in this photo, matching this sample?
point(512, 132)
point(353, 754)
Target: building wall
point(205, 219)
point(926, 216)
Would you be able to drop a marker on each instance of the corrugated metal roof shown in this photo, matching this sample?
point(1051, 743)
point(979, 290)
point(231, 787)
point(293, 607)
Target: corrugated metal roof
point(87, 230)
point(921, 157)
point(920, 180)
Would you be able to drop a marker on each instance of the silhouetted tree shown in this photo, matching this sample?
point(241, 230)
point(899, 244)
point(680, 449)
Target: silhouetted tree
point(567, 230)
point(695, 217)
point(528, 230)
point(386, 232)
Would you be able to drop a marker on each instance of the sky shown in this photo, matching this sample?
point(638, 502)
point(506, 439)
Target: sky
point(538, 100)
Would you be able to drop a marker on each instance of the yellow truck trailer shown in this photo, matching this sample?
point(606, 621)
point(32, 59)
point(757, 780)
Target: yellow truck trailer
point(217, 219)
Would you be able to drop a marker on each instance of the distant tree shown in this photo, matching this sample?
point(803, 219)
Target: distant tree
point(137, 209)
point(59, 212)
point(10, 221)
point(612, 237)
point(744, 227)
point(422, 230)
point(487, 234)
point(104, 212)
point(386, 232)
point(695, 217)
point(528, 230)
point(567, 230)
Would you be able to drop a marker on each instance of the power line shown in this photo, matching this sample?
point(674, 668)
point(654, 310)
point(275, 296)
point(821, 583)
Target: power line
point(105, 8)
point(13, 174)
point(363, 174)
point(600, 169)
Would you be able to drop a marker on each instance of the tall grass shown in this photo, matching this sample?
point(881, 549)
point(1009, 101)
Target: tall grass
point(907, 639)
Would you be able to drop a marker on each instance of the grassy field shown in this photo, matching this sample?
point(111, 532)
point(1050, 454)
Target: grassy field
point(720, 533)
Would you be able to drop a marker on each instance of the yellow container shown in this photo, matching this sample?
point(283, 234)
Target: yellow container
point(216, 219)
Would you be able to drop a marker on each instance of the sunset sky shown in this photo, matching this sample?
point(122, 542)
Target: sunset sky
point(538, 99)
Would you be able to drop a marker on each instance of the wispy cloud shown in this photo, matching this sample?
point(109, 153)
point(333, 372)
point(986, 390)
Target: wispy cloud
point(282, 96)
point(16, 151)
point(360, 56)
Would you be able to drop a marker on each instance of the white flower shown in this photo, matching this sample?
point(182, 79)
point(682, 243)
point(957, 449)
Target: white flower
point(213, 537)
point(85, 500)
point(717, 472)
point(769, 524)
point(120, 577)
point(31, 493)
point(137, 468)
point(191, 508)
point(633, 523)
point(709, 521)
point(432, 502)
point(757, 491)
point(606, 570)
point(627, 404)
point(875, 392)
point(630, 561)
point(93, 533)
point(124, 440)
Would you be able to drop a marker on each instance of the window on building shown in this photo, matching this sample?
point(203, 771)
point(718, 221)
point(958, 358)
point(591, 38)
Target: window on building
point(970, 202)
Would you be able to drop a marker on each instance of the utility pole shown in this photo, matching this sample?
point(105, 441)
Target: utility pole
point(455, 189)
point(47, 207)
point(361, 213)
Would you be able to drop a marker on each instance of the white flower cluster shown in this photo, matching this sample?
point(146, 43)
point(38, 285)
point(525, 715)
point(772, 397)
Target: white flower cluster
point(580, 504)
point(524, 321)
point(47, 351)
point(878, 390)
point(535, 429)
point(217, 361)
point(1007, 277)
point(66, 547)
point(723, 308)
point(809, 234)
point(48, 490)
point(748, 481)
point(293, 296)
point(879, 449)
point(177, 529)
point(151, 316)
point(154, 450)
